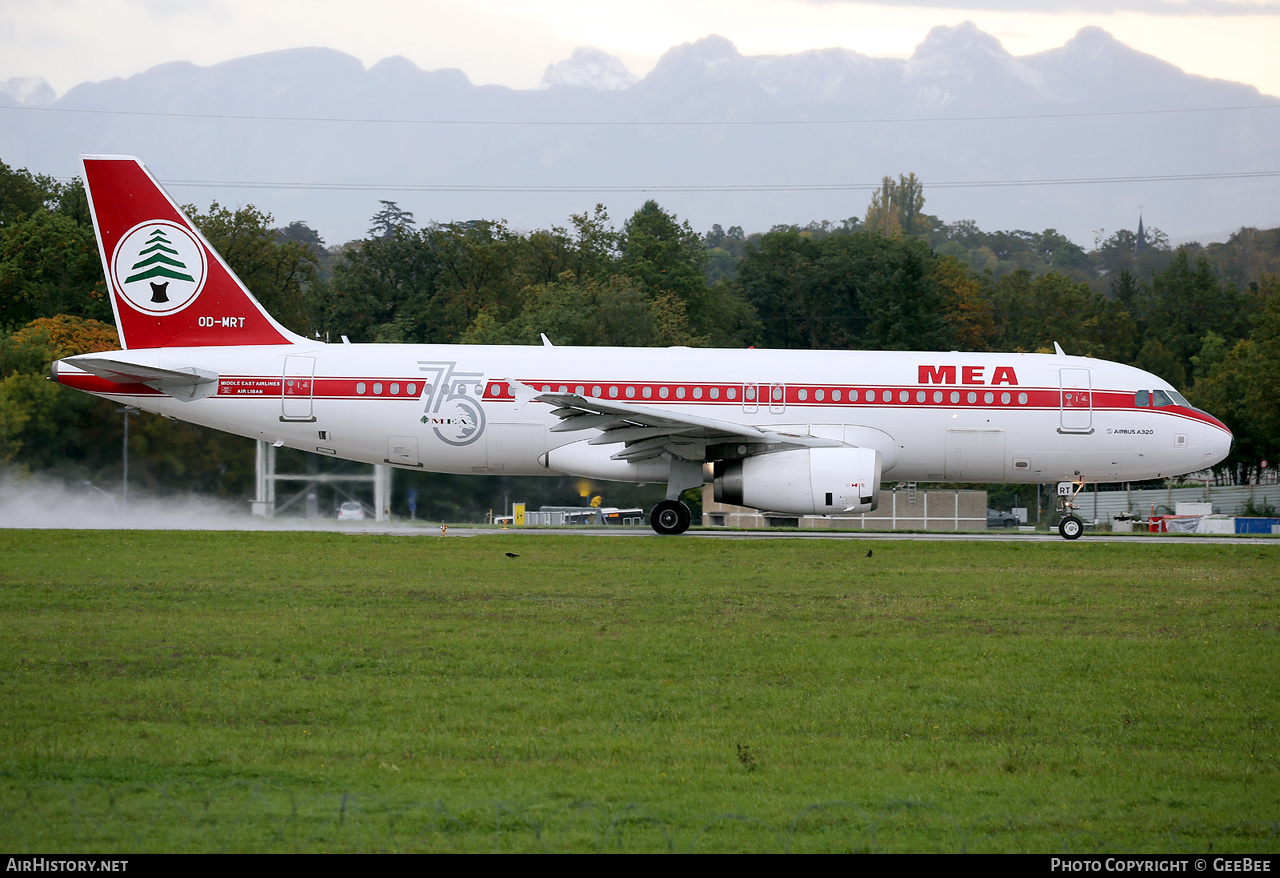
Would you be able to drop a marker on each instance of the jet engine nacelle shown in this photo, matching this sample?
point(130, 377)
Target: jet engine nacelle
point(596, 462)
point(810, 481)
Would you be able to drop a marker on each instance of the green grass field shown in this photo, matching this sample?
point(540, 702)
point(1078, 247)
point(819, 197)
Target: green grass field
point(196, 691)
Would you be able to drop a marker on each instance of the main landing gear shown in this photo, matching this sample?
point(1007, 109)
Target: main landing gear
point(1070, 526)
point(671, 517)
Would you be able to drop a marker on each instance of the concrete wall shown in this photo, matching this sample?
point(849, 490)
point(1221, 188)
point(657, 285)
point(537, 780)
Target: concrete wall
point(933, 509)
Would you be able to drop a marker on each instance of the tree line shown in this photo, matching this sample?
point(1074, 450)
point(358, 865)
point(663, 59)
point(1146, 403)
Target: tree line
point(892, 278)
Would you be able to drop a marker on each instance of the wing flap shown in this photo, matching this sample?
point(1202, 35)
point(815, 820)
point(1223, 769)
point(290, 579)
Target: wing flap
point(635, 434)
point(647, 416)
point(649, 431)
point(577, 421)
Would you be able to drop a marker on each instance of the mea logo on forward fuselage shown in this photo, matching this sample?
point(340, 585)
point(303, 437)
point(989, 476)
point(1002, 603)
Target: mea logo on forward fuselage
point(159, 267)
point(968, 375)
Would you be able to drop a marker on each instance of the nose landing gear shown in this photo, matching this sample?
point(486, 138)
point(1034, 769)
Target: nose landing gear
point(1070, 526)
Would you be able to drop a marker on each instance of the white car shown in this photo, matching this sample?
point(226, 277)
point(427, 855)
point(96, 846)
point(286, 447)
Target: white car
point(352, 510)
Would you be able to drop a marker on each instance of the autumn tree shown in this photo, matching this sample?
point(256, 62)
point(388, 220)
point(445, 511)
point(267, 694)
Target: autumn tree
point(897, 208)
point(41, 423)
point(965, 305)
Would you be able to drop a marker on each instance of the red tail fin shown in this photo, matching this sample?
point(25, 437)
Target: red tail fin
point(168, 286)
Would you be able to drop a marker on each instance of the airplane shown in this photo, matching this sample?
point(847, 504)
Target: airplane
point(788, 431)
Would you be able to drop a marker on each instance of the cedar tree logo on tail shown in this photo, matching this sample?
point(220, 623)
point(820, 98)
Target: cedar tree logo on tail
point(159, 267)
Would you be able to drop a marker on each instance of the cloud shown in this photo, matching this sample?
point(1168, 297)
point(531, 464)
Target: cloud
point(1176, 8)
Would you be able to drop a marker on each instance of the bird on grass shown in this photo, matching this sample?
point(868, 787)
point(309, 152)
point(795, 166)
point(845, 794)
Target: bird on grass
point(512, 555)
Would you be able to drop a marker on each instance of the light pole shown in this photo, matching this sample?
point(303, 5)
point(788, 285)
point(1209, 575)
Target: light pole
point(124, 492)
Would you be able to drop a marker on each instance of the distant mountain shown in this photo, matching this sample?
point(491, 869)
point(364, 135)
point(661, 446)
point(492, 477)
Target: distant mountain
point(715, 136)
point(27, 91)
point(589, 68)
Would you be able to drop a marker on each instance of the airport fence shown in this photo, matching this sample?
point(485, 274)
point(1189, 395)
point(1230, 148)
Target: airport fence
point(1103, 506)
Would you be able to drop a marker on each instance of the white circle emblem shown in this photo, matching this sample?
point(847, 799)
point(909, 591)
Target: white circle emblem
point(159, 267)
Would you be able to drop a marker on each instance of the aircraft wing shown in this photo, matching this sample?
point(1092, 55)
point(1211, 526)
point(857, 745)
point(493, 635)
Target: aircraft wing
point(186, 384)
point(650, 431)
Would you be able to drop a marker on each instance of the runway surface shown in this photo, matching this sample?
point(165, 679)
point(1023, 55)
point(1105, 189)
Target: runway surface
point(994, 536)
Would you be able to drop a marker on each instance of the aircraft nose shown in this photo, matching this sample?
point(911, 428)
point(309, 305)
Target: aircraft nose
point(1217, 445)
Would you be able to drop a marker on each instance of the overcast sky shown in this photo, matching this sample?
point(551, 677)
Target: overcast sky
point(511, 42)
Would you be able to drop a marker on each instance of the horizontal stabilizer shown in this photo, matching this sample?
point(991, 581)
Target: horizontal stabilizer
point(186, 383)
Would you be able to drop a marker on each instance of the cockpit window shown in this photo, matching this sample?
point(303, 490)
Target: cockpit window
point(1160, 398)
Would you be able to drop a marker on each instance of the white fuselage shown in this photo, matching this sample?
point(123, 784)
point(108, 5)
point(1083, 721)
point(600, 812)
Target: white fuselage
point(456, 408)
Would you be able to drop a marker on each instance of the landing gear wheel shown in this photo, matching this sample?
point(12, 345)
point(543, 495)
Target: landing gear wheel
point(1070, 527)
point(670, 517)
